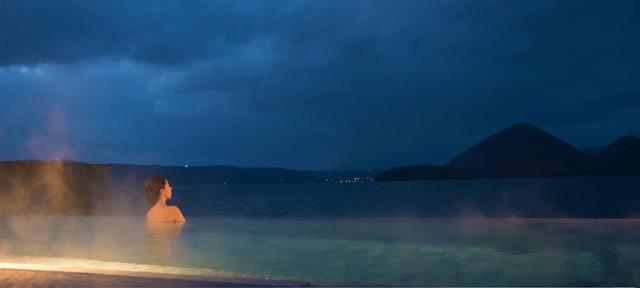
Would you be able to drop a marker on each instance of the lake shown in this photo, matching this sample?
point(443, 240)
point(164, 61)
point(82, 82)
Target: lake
point(571, 197)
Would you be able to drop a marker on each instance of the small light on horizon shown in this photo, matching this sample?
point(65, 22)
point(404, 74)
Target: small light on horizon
point(186, 165)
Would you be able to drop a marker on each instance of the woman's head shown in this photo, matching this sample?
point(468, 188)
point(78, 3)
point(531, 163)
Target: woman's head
point(156, 187)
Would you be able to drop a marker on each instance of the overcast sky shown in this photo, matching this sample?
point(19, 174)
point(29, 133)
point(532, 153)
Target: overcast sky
point(309, 84)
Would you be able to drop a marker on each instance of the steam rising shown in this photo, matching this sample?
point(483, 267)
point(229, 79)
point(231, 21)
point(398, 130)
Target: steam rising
point(53, 187)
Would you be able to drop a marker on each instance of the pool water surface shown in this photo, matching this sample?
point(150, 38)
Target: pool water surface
point(342, 251)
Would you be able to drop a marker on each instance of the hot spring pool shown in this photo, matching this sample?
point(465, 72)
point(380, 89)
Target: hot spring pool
point(338, 251)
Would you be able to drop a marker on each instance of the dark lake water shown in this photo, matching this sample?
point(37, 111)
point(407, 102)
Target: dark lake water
point(578, 197)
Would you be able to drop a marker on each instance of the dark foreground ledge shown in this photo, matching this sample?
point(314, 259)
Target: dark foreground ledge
point(36, 278)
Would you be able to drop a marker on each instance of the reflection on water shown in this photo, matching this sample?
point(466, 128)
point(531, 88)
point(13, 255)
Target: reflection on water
point(161, 239)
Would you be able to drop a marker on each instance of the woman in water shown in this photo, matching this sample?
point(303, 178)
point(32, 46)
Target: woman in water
point(158, 191)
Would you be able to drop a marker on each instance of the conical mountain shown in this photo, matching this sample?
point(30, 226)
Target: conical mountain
point(622, 157)
point(522, 150)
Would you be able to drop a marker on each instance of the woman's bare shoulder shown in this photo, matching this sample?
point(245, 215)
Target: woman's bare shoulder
point(177, 213)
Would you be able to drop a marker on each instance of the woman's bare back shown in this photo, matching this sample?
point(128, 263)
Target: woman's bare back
point(159, 213)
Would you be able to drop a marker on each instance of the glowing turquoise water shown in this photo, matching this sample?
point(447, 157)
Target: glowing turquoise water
point(386, 251)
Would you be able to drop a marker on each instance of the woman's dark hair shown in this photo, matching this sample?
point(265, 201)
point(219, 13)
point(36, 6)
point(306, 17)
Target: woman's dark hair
point(152, 188)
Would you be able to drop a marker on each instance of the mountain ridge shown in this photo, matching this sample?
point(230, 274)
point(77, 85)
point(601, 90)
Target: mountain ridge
point(525, 150)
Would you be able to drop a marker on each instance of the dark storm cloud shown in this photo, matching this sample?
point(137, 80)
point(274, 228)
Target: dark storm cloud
point(315, 84)
point(74, 31)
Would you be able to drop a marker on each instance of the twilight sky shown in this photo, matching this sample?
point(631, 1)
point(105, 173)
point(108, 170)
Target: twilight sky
point(309, 84)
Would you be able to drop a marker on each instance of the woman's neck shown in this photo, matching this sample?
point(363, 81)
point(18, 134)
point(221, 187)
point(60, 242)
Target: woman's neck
point(162, 202)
